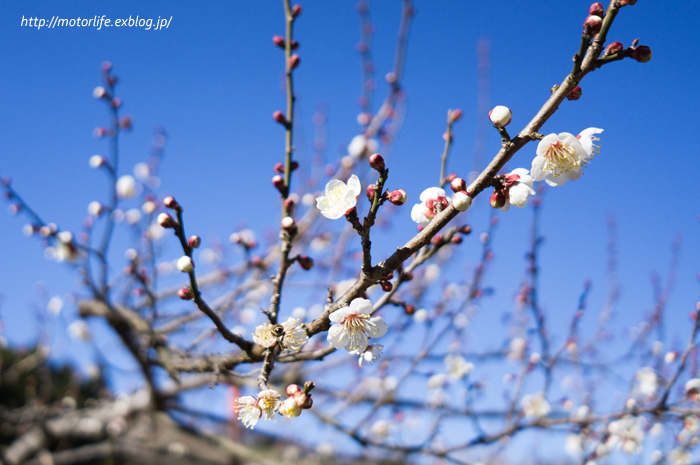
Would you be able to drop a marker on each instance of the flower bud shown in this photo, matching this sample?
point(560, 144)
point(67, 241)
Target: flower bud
point(288, 224)
point(279, 168)
point(127, 122)
point(278, 182)
point(279, 117)
point(386, 286)
point(306, 262)
point(194, 241)
point(296, 11)
point(99, 132)
point(294, 61)
point(575, 94)
point(185, 264)
point(289, 206)
point(456, 239)
point(498, 199)
point(458, 184)
point(309, 386)
point(303, 400)
point(642, 54)
point(294, 45)
point(170, 202)
point(466, 230)
point(293, 389)
point(278, 41)
point(377, 162)
point(500, 116)
point(371, 190)
point(116, 102)
point(615, 47)
point(461, 201)
point(290, 408)
point(409, 309)
point(455, 115)
point(97, 160)
point(692, 388)
point(166, 221)
point(593, 24)
point(95, 208)
point(106, 66)
point(185, 293)
point(99, 92)
point(597, 10)
point(438, 240)
point(398, 197)
point(450, 177)
point(627, 2)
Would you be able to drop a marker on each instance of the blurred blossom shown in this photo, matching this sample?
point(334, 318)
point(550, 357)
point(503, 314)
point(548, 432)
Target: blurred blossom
point(535, 405)
point(156, 232)
point(626, 434)
point(457, 367)
point(361, 147)
point(380, 428)
point(437, 381)
point(299, 313)
point(142, 171)
point(117, 216)
point(210, 256)
point(432, 272)
point(574, 445)
point(421, 315)
point(149, 207)
point(325, 449)
point(517, 349)
point(164, 268)
point(679, 456)
point(133, 216)
point(54, 306)
point(308, 199)
point(647, 381)
point(126, 186)
point(79, 330)
point(248, 316)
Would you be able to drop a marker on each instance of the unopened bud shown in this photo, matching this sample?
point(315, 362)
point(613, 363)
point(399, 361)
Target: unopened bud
point(306, 262)
point(615, 47)
point(627, 2)
point(597, 10)
point(461, 201)
point(166, 221)
point(116, 102)
point(194, 241)
point(126, 122)
point(409, 309)
point(185, 264)
point(97, 160)
point(593, 24)
point(466, 230)
point(278, 182)
point(575, 94)
point(293, 389)
point(288, 224)
point(294, 61)
point(390, 78)
point(498, 199)
point(279, 168)
point(278, 41)
point(106, 66)
point(99, 92)
point(170, 202)
point(386, 286)
point(377, 162)
point(289, 206)
point(279, 117)
point(438, 240)
point(185, 293)
point(456, 239)
point(500, 116)
point(294, 45)
point(371, 190)
point(642, 54)
point(458, 184)
point(455, 115)
point(296, 11)
point(398, 197)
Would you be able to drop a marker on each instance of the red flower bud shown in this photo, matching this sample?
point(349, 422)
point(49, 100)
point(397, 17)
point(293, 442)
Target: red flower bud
point(185, 293)
point(466, 230)
point(170, 202)
point(166, 221)
point(194, 241)
point(498, 199)
point(386, 286)
point(296, 11)
point(458, 184)
point(279, 117)
point(289, 206)
point(398, 197)
point(455, 115)
point(278, 182)
point(642, 54)
point(438, 240)
point(293, 389)
point(597, 10)
point(306, 262)
point(575, 94)
point(294, 165)
point(456, 239)
point(294, 61)
point(593, 24)
point(409, 309)
point(278, 41)
point(408, 276)
point(279, 168)
point(127, 122)
point(377, 162)
point(615, 47)
point(294, 45)
point(370, 192)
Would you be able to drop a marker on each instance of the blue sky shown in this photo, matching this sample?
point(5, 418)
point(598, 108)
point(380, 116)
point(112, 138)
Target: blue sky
point(212, 79)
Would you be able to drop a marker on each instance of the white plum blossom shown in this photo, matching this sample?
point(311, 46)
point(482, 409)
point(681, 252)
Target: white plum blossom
point(290, 408)
point(520, 188)
point(371, 353)
point(626, 434)
point(647, 381)
point(292, 337)
point(457, 367)
point(361, 147)
point(679, 456)
point(185, 264)
point(561, 157)
point(692, 388)
point(380, 428)
point(339, 198)
point(535, 405)
point(79, 330)
point(248, 411)
point(268, 402)
point(126, 186)
point(354, 325)
point(433, 201)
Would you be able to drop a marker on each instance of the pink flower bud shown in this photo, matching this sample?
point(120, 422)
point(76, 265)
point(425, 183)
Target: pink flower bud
point(456, 239)
point(398, 197)
point(100, 132)
point(279, 168)
point(194, 241)
point(597, 10)
point(296, 11)
point(466, 230)
point(278, 182)
point(386, 286)
point(615, 47)
point(185, 293)
point(288, 224)
point(116, 102)
point(166, 221)
point(500, 116)
point(278, 41)
point(377, 162)
point(170, 202)
point(438, 240)
point(390, 78)
point(304, 400)
point(370, 192)
point(306, 262)
point(409, 309)
point(498, 199)
point(127, 122)
point(294, 61)
point(593, 24)
point(294, 45)
point(289, 206)
point(293, 389)
point(279, 117)
point(106, 66)
point(575, 94)
point(450, 177)
point(455, 115)
point(458, 184)
point(642, 54)
point(461, 201)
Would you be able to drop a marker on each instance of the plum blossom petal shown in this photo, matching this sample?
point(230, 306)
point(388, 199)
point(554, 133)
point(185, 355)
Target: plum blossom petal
point(561, 157)
point(354, 325)
point(433, 201)
point(248, 411)
point(339, 198)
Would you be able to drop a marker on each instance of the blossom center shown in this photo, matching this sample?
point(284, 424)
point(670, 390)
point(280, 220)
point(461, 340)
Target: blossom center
point(435, 206)
point(338, 194)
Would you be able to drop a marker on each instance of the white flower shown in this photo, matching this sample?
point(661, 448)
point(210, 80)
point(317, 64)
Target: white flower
point(149, 207)
point(626, 434)
point(461, 201)
point(519, 190)
point(185, 264)
point(380, 428)
point(142, 171)
point(692, 388)
point(268, 402)
point(647, 381)
point(290, 408)
point(97, 160)
point(354, 326)
point(95, 208)
point(263, 335)
point(500, 116)
point(370, 354)
point(433, 201)
point(457, 367)
point(248, 411)
point(361, 147)
point(679, 456)
point(294, 335)
point(574, 445)
point(126, 186)
point(339, 198)
point(562, 157)
point(79, 330)
point(535, 405)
